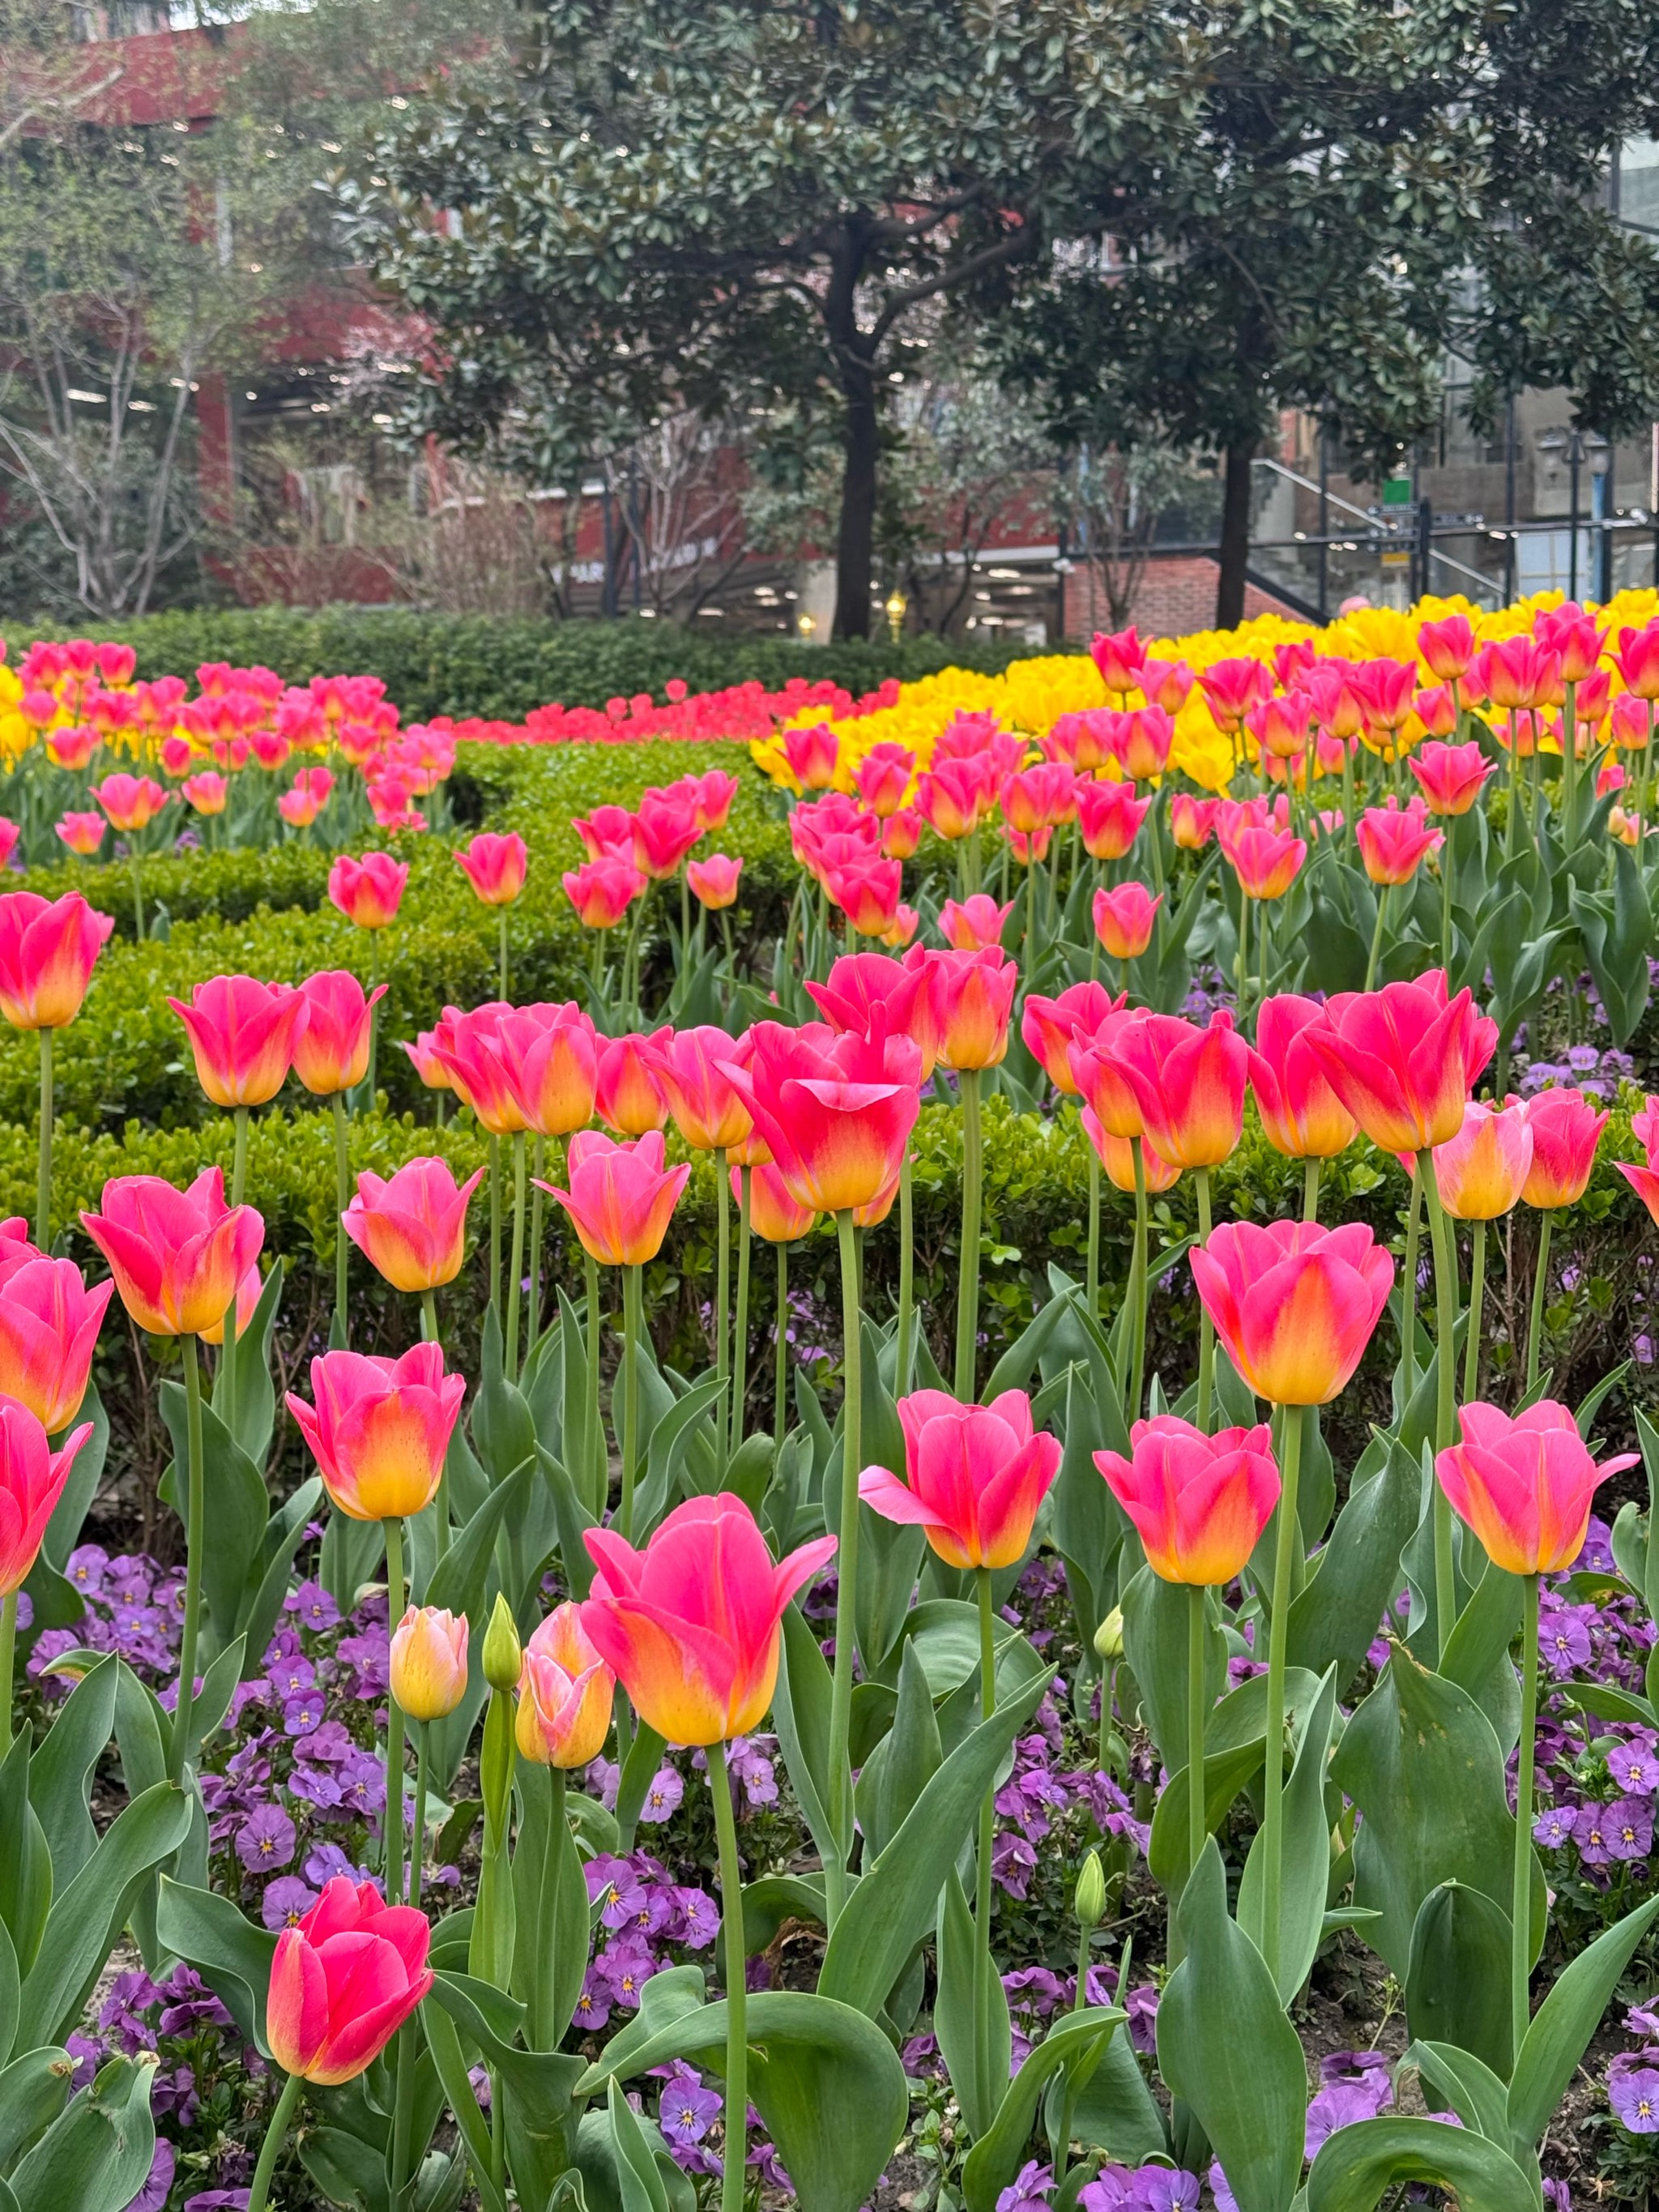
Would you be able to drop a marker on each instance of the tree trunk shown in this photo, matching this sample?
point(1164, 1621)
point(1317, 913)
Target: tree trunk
point(1235, 536)
point(854, 544)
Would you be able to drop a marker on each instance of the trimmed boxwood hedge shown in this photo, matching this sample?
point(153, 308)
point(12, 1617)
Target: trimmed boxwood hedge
point(499, 668)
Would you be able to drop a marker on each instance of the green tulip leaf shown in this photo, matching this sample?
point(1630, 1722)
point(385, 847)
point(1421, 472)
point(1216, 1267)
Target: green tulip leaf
point(1563, 2025)
point(1457, 1985)
point(1074, 2043)
point(1361, 2165)
point(96, 2156)
point(1305, 1843)
point(232, 1955)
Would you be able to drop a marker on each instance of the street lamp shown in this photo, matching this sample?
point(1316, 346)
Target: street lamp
point(896, 604)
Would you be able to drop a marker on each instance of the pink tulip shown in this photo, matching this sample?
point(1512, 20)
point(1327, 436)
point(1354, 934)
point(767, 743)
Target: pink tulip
point(867, 987)
point(1198, 1503)
point(177, 1255)
point(379, 1429)
point(883, 777)
point(1109, 817)
point(412, 1230)
point(626, 1097)
point(1481, 1172)
point(565, 1692)
point(331, 1038)
point(1394, 841)
point(713, 880)
point(208, 792)
point(81, 833)
point(867, 893)
point(32, 1480)
point(691, 1624)
point(835, 1116)
point(131, 802)
point(1120, 657)
point(47, 951)
point(1192, 821)
point(368, 891)
point(811, 756)
point(242, 1035)
point(1565, 1130)
point(973, 995)
point(1124, 918)
point(344, 1980)
point(689, 1064)
point(1301, 1115)
point(1049, 1026)
point(496, 866)
point(1451, 775)
point(973, 1476)
point(621, 1197)
point(1525, 1483)
point(49, 1325)
point(602, 891)
point(973, 923)
point(1293, 1304)
point(773, 1215)
point(1404, 1059)
point(1188, 1083)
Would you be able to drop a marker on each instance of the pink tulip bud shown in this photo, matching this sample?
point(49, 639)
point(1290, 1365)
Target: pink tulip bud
point(1198, 1502)
point(344, 1980)
point(565, 1693)
point(379, 1429)
point(621, 1196)
point(975, 1476)
point(1525, 1483)
point(47, 951)
point(412, 1230)
point(177, 1256)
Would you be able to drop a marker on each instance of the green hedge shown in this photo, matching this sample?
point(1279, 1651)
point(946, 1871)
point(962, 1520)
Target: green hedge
point(501, 666)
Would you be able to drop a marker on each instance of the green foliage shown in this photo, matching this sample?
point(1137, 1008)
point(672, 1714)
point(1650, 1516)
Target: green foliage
point(499, 668)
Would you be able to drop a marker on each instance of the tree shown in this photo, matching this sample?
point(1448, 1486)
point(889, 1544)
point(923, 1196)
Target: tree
point(719, 205)
point(1347, 194)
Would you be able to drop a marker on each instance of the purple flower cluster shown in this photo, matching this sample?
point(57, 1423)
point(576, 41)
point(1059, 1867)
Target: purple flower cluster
point(132, 1606)
point(1036, 1792)
point(643, 1915)
point(1633, 2076)
point(1141, 2189)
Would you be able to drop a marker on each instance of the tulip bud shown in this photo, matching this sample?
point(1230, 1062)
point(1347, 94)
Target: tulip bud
point(503, 1656)
point(1089, 1898)
point(1108, 1636)
point(428, 1662)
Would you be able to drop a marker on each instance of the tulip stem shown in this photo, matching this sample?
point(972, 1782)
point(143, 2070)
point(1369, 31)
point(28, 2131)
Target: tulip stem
point(988, 1814)
point(43, 1185)
point(1376, 934)
point(906, 1283)
point(741, 1321)
point(1477, 1290)
point(275, 2136)
point(515, 1265)
point(374, 1011)
point(968, 1290)
point(1310, 1189)
point(1445, 896)
point(1272, 1778)
point(1520, 1895)
point(1206, 1327)
point(633, 1322)
point(847, 1563)
point(193, 1541)
point(734, 2177)
point(781, 1381)
point(1198, 1705)
point(8, 1656)
point(496, 1222)
point(1446, 1299)
point(1138, 1283)
point(1242, 972)
point(598, 1473)
point(1408, 1289)
point(343, 1198)
point(533, 1322)
point(722, 1296)
point(543, 2032)
point(1568, 779)
point(1091, 1270)
point(417, 1845)
point(1541, 1283)
point(238, 1186)
point(393, 1834)
point(504, 992)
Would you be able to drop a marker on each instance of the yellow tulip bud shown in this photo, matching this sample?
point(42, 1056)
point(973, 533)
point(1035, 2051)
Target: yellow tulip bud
point(428, 1662)
point(1108, 1636)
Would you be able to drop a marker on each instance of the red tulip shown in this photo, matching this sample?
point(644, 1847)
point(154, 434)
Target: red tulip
point(1231, 688)
point(49, 1325)
point(973, 1476)
point(773, 1215)
point(1393, 841)
point(1565, 1130)
point(1188, 1083)
point(330, 1037)
point(1301, 1115)
point(1192, 821)
point(1050, 1025)
point(1109, 817)
point(177, 1255)
point(691, 1066)
point(1403, 1060)
point(835, 1116)
point(621, 1196)
point(1568, 631)
point(343, 1979)
point(602, 891)
point(973, 1000)
point(1481, 1172)
point(496, 866)
point(1293, 1304)
point(713, 881)
point(971, 924)
point(1524, 1483)
point(1451, 775)
point(47, 950)
point(690, 1624)
point(1446, 646)
point(368, 891)
point(1198, 1503)
point(565, 1693)
point(379, 1429)
point(665, 828)
point(1124, 919)
point(1120, 657)
point(32, 1480)
point(627, 1095)
point(412, 1230)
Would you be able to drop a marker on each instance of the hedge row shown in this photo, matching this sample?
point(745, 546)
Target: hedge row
point(501, 666)
point(266, 913)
